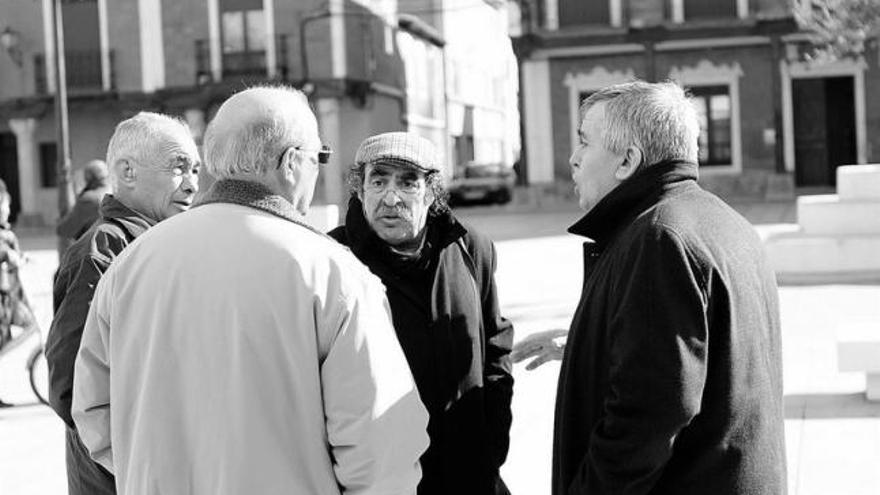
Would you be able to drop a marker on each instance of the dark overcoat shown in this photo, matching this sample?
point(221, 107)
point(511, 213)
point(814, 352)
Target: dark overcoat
point(445, 311)
point(672, 377)
point(82, 266)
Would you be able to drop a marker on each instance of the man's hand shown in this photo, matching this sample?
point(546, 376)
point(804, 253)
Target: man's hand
point(543, 346)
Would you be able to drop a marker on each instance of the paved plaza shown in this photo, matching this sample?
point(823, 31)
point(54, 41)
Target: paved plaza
point(832, 432)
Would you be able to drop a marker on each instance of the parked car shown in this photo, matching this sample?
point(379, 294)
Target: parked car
point(476, 182)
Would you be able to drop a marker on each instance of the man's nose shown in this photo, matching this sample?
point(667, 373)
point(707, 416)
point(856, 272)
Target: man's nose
point(190, 183)
point(391, 196)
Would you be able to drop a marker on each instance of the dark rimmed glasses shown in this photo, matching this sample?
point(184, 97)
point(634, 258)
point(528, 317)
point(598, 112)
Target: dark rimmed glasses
point(323, 154)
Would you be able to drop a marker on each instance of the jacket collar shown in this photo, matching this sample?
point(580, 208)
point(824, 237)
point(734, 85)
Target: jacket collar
point(254, 196)
point(131, 221)
point(443, 229)
point(623, 204)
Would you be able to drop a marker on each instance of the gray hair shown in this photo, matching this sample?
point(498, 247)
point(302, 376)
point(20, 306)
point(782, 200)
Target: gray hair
point(134, 139)
point(256, 145)
point(433, 180)
point(657, 118)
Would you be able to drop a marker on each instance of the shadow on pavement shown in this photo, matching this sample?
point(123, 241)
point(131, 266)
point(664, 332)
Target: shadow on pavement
point(830, 406)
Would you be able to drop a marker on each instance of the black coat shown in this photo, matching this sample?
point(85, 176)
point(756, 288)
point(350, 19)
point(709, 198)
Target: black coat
point(445, 312)
point(82, 266)
point(672, 377)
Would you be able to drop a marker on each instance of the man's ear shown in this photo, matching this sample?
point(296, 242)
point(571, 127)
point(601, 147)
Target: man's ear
point(632, 161)
point(289, 159)
point(125, 172)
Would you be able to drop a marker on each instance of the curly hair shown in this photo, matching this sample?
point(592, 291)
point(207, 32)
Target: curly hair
point(433, 179)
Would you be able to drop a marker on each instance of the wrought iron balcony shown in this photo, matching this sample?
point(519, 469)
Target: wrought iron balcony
point(83, 72)
point(247, 65)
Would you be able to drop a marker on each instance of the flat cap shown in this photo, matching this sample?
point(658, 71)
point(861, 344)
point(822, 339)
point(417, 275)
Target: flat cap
point(404, 149)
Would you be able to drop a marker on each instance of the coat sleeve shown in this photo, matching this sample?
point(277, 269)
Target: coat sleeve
point(376, 423)
point(66, 330)
point(498, 377)
point(91, 382)
point(63, 341)
point(659, 335)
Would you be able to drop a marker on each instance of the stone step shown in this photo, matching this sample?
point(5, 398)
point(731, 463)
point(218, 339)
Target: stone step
point(856, 182)
point(829, 214)
point(858, 350)
point(800, 258)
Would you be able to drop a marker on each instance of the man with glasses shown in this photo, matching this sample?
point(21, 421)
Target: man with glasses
point(439, 276)
point(154, 165)
point(234, 349)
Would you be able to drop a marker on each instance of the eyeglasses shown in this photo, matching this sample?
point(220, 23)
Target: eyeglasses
point(405, 186)
point(323, 154)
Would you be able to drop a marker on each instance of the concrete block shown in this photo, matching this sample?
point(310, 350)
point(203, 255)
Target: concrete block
point(323, 218)
point(859, 355)
point(828, 214)
point(793, 253)
point(857, 182)
point(858, 350)
point(872, 386)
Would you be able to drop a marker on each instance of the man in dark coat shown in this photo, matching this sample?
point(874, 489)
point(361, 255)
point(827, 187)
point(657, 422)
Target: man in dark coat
point(154, 163)
point(671, 381)
point(439, 277)
point(85, 210)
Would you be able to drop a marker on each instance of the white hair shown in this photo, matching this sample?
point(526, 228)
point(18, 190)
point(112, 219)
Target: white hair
point(135, 139)
point(255, 145)
point(657, 118)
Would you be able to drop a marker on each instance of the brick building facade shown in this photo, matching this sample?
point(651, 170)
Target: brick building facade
point(771, 123)
point(364, 68)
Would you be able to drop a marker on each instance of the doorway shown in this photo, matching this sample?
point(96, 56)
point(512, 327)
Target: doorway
point(824, 128)
point(9, 171)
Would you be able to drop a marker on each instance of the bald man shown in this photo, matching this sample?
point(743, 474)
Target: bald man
point(88, 202)
point(154, 165)
point(234, 349)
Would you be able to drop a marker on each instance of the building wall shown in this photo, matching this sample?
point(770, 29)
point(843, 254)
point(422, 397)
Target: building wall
point(124, 41)
point(757, 164)
point(90, 129)
point(25, 18)
point(481, 75)
point(607, 69)
point(872, 102)
point(755, 93)
point(183, 23)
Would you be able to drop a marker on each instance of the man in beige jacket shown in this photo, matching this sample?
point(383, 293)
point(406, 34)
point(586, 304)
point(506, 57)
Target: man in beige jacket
point(233, 349)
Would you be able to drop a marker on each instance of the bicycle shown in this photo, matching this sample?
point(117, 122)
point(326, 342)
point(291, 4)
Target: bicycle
point(16, 314)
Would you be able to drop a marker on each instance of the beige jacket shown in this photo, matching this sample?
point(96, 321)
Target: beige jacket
point(230, 351)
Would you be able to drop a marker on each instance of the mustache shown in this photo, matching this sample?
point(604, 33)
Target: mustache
point(399, 210)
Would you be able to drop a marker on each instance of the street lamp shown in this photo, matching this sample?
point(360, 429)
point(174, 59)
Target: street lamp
point(10, 40)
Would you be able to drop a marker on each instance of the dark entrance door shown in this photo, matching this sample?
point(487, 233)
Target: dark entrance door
point(824, 128)
point(9, 170)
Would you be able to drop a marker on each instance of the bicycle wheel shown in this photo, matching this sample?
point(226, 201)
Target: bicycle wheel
point(38, 372)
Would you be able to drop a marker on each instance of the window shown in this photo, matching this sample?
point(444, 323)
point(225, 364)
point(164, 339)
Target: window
point(243, 36)
point(714, 110)
point(244, 31)
point(464, 148)
point(584, 12)
point(48, 164)
point(710, 9)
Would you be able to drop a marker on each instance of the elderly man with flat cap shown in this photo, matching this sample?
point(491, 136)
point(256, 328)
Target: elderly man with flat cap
point(233, 349)
point(439, 275)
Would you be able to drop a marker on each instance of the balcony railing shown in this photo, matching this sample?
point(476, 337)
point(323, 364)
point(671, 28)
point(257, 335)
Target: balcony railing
point(83, 71)
point(249, 65)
